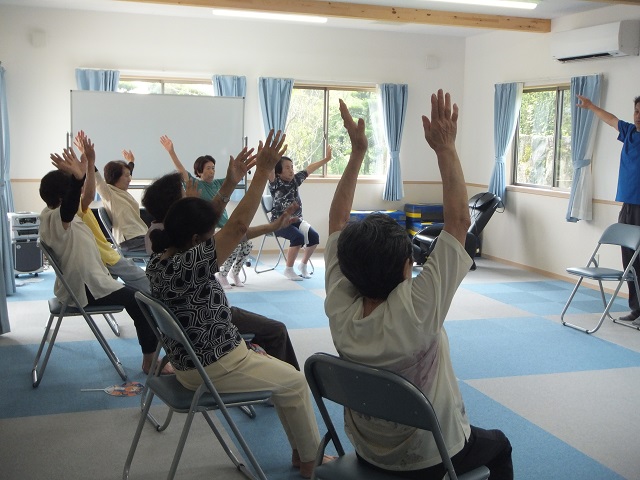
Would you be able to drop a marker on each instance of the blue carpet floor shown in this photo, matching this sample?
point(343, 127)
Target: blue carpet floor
point(487, 348)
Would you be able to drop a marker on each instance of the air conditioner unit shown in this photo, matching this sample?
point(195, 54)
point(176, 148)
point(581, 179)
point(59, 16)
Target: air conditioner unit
point(616, 39)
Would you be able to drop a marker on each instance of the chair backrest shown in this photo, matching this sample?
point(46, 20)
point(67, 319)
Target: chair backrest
point(163, 320)
point(104, 217)
point(267, 204)
point(482, 206)
point(375, 392)
point(621, 234)
point(57, 268)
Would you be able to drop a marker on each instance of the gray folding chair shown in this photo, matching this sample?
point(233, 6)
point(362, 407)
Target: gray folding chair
point(179, 399)
point(140, 255)
point(619, 234)
point(71, 308)
point(267, 205)
point(380, 394)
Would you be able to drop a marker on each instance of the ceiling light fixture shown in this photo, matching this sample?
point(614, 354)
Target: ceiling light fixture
point(524, 5)
point(269, 16)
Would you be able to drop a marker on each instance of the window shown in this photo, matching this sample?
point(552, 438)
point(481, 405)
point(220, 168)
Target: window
point(314, 122)
point(542, 153)
point(169, 87)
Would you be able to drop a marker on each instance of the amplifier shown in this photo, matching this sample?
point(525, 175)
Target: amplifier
point(24, 225)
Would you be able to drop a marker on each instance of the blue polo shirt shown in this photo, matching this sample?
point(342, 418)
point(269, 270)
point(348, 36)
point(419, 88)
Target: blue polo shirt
point(629, 174)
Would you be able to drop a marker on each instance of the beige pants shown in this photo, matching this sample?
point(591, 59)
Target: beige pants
point(244, 370)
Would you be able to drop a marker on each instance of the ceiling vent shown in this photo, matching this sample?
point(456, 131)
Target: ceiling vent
point(617, 39)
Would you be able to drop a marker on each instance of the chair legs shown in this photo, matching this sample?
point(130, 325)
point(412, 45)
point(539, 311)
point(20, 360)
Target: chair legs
point(146, 415)
point(37, 372)
point(281, 254)
point(115, 328)
point(607, 307)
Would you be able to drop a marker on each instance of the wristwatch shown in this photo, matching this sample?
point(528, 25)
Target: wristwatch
point(224, 198)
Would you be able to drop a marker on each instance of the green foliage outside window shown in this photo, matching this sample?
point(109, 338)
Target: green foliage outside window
point(314, 116)
point(543, 154)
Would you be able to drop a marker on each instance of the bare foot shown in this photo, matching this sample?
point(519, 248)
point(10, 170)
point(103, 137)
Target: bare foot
point(306, 468)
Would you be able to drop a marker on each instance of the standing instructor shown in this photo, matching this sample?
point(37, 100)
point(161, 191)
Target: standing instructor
point(628, 184)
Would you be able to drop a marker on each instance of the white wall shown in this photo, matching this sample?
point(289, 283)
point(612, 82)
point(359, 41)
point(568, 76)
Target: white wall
point(533, 231)
point(39, 80)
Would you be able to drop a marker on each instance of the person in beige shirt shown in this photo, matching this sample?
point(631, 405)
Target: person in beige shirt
point(380, 315)
point(128, 227)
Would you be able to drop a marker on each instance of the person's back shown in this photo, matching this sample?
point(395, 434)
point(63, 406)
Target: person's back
point(379, 315)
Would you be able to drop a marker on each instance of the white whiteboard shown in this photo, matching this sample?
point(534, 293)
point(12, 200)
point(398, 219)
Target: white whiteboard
point(197, 125)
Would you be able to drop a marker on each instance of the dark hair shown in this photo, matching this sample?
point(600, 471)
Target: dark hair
point(198, 165)
point(161, 194)
point(113, 171)
point(187, 217)
point(278, 167)
point(636, 101)
point(53, 187)
point(372, 254)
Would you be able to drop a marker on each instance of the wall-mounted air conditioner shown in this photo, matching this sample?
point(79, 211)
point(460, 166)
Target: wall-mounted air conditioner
point(616, 39)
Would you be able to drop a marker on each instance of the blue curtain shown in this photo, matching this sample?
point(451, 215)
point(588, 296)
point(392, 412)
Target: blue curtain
point(394, 108)
point(7, 279)
point(583, 129)
point(275, 96)
point(506, 106)
point(231, 86)
point(101, 80)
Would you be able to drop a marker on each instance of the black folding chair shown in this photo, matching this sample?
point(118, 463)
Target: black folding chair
point(179, 399)
point(380, 394)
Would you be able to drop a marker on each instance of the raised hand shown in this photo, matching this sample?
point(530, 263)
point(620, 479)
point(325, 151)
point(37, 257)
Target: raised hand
point(191, 188)
point(359, 142)
point(440, 131)
point(167, 144)
point(85, 147)
point(240, 165)
point(69, 163)
point(271, 151)
point(584, 102)
point(287, 218)
point(128, 156)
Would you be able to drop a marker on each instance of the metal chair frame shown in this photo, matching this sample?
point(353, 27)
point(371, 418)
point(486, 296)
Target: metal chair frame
point(105, 218)
point(619, 234)
point(71, 308)
point(267, 205)
point(376, 392)
point(179, 399)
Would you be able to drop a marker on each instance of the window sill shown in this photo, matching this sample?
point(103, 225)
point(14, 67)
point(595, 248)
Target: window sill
point(547, 192)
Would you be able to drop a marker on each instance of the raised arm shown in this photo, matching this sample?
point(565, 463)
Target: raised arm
point(69, 163)
point(440, 132)
point(168, 146)
point(343, 196)
point(268, 155)
point(86, 148)
point(236, 171)
point(312, 167)
point(130, 159)
point(606, 117)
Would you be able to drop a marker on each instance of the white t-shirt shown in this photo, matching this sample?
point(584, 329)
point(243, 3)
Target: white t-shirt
point(78, 255)
point(404, 334)
point(123, 209)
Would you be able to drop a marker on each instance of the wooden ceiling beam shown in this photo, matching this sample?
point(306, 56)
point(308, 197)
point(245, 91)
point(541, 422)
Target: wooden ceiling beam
point(379, 13)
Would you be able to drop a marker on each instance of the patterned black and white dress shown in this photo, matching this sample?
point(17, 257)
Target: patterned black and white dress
point(185, 282)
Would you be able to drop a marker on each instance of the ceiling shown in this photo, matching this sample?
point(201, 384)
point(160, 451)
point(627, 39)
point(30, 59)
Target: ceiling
point(409, 16)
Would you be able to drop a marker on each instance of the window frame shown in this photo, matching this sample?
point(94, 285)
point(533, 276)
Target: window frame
point(327, 88)
point(165, 80)
point(561, 89)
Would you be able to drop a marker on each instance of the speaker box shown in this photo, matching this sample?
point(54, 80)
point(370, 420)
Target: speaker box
point(27, 256)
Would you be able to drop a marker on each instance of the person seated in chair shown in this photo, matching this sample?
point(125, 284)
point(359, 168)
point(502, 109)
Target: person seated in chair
point(120, 267)
point(270, 334)
point(380, 315)
point(75, 247)
point(124, 211)
point(187, 245)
